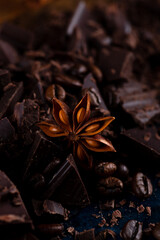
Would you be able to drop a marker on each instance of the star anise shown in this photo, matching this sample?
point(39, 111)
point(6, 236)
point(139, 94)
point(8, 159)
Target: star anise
point(79, 129)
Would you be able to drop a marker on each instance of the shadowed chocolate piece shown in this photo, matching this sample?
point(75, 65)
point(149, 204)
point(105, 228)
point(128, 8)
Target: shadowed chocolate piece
point(20, 38)
point(62, 188)
point(146, 140)
point(41, 152)
point(4, 78)
point(86, 235)
point(7, 53)
point(7, 131)
point(12, 94)
point(14, 219)
point(137, 100)
point(116, 63)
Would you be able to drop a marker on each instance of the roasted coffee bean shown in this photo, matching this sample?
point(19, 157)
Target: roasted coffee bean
point(50, 229)
point(106, 235)
point(105, 169)
point(56, 91)
point(122, 171)
point(156, 231)
point(132, 230)
point(142, 186)
point(110, 186)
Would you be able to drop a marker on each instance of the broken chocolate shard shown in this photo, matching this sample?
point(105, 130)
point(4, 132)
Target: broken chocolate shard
point(20, 38)
point(145, 140)
point(85, 235)
point(116, 64)
point(7, 53)
point(11, 95)
point(7, 131)
point(90, 85)
point(4, 78)
point(41, 153)
point(63, 189)
point(137, 100)
point(14, 218)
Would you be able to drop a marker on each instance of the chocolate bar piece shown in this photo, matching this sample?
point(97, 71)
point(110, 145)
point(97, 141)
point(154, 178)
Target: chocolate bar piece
point(52, 210)
point(63, 189)
point(14, 218)
point(12, 94)
point(90, 85)
point(7, 131)
point(137, 100)
point(116, 63)
point(146, 140)
point(4, 78)
point(7, 53)
point(42, 152)
point(19, 37)
point(86, 235)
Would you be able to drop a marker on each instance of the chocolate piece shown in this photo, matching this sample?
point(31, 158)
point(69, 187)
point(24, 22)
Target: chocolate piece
point(50, 230)
point(26, 113)
point(146, 141)
point(137, 100)
point(60, 189)
point(19, 37)
point(42, 152)
point(89, 85)
point(106, 234)
point(116, 64)
point(156, 231)
point(132, 230)
point(86, 235)
point(7, 131)
point(142, 186)
point(11, 95)
point(7, 53)
point(107, 205)
point(14, 218)
point(50, 210)
point(4, 78)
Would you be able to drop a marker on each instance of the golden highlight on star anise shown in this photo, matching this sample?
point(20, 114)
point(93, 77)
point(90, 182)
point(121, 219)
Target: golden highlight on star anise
point(80, 130)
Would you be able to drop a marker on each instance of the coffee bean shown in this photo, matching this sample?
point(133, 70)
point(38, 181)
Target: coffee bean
point(107, 234)
point(50, 229)
point(55, 91)
point(105, 169)
point(122, 171)
point(142, 186)
point(156, 231)
point(110, 186)
point(132, 230)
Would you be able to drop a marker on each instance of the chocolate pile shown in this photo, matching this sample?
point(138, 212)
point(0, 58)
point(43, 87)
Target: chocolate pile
point(111, 52)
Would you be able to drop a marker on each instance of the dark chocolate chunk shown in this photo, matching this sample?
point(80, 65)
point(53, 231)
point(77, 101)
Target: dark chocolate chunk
point(19, 37)
point(86, 235)
point(106, 234)
point(26, 113)
point(116, 64)
point(89, 85)
point(4, 78)
point(137, 100)
point(12, 94)
point(7, 53)
point(147, 140)
point(50, 230)
point(7, 131)
point(63, 189)
point(41, 152)
point(13, 214)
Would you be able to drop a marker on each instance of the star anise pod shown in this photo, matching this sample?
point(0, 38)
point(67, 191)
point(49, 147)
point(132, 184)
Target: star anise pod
point(79, 129)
